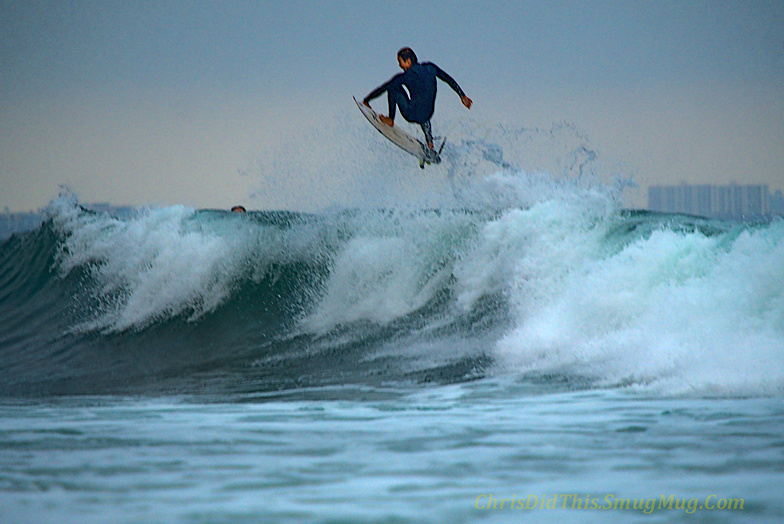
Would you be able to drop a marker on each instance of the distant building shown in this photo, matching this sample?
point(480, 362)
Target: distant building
point(777, 203)
point(731, 201)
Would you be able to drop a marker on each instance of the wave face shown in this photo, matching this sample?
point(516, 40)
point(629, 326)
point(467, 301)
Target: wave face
point(551, 283)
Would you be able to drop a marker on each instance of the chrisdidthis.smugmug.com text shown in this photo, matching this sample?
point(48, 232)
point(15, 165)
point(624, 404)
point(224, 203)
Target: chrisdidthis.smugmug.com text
point(488, 501)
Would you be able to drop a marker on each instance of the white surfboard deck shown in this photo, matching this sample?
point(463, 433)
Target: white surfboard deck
point(400, 138)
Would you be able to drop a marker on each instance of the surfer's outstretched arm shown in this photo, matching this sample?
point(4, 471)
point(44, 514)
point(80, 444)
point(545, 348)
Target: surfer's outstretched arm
point(440, 73)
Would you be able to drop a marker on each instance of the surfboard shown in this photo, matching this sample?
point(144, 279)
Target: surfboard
point(400, 138)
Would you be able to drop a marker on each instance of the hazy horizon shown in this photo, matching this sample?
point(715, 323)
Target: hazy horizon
point(180, 102)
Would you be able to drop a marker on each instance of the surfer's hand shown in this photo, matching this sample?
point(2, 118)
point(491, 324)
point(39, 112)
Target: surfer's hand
point(466, 101)
point(366, 103)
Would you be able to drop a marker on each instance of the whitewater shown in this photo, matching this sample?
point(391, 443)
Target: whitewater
point(532, 342)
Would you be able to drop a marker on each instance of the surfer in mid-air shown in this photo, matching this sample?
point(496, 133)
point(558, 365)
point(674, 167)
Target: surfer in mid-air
point(419, 104)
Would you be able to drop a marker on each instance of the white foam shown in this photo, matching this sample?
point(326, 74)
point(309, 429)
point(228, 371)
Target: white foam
point(673, 312)
point(393, 264)
point(152, 266)
point(373, 279)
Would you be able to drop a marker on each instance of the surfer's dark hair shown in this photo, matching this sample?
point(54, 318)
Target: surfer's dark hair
point(408, 54)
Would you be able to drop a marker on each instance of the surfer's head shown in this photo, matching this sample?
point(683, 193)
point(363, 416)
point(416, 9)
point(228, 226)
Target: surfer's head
point(406, 58)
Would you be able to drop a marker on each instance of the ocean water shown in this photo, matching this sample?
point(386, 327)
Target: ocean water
point(535, 353)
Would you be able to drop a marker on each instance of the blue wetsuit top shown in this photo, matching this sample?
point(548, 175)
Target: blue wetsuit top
point(420, 79)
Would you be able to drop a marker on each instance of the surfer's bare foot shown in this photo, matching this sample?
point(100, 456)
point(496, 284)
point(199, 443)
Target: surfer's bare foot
point(388, 121)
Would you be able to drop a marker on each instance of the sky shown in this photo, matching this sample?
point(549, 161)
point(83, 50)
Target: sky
point(213, 103)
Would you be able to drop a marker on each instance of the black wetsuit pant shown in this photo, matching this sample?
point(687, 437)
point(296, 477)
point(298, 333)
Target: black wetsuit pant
point(397, 97)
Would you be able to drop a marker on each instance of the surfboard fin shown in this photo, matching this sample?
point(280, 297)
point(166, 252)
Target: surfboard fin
point(442, 147)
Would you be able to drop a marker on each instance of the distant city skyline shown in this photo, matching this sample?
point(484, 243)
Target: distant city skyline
point(717, 201)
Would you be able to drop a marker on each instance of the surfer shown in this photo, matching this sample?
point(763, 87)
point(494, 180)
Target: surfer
point(416, 106)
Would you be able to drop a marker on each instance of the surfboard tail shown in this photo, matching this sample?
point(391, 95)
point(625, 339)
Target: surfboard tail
point(432, 156)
